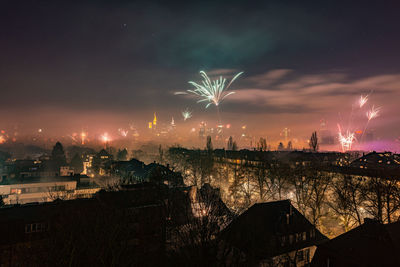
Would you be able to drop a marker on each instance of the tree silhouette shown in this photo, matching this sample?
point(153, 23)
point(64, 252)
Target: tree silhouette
point(289, 146)
point(122, 154)
point(229, 145)
point(77, 163)
point(235, 146)
point(209, 145)
point(314, 141)
point(280, 146)
point(262, 144)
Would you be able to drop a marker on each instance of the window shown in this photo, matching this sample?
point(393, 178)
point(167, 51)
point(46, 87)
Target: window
point(291, 239)
point(57, 188)
point(15, 191)
point(312, 233)
point(36, 227)
point(304, 236)
point(307, 255)
point(300, 255)
point(283, 241)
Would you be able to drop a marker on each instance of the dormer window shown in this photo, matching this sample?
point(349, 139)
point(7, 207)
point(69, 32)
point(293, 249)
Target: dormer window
point(291, 239)
point(283, 241)
point(312, 233)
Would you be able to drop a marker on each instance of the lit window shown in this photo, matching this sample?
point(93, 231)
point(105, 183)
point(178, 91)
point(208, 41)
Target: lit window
point(15, 191)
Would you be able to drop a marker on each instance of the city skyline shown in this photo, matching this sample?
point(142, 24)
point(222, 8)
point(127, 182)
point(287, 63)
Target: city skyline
point(101, 66)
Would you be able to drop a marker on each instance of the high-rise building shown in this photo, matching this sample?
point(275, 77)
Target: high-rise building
point(155, 121)
point(285, 133)
point(326, 137)
point(202, 130)
point(173, 125)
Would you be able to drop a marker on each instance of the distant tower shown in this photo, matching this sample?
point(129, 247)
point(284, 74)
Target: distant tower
point(202, 130)
point(285, 133)
point(326, 136)
point(173, 125)
point(155, 121)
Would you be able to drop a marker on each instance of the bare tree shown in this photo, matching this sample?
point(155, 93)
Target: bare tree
point(196, 239)
point(346, 200)
point(280, 146)
point(381, 195)
point(289, 146)
point(314, 142)
point(57, 192)
point(310, 187)
point(262, 144)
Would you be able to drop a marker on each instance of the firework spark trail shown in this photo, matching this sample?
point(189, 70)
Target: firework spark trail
point(122, 132)
point(105, 139)
point(73, 137)
point(350, 118)
point(347, 138)
point(83, 137)
point(373, 113)
point(363, 100)
point(186, 114)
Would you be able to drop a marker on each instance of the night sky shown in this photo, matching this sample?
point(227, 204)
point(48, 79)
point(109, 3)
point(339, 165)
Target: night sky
point(103, 64)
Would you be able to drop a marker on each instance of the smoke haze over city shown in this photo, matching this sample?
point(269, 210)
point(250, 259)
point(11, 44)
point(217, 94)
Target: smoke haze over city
point(102, 65)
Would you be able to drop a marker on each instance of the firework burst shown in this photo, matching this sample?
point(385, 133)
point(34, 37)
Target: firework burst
point(123, 132)
point(363, 100)
point(83, 137)
point(346, 140)
point(373, 113)
point(211, 91)
point(348, 137)
point(105, 138)
point(186, 114)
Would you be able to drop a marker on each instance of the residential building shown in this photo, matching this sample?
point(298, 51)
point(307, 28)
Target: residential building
point(371, 244)
point(16, 191)
point(125, 228)
point(273, 234)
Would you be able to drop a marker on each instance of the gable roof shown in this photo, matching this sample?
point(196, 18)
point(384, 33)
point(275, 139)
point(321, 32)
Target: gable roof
point(258, 231)
point(371, 244)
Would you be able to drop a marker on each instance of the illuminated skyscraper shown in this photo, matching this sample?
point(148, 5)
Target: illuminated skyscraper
point(285, 133)
point(173, 125)
point(202, 130)
point(155, 121)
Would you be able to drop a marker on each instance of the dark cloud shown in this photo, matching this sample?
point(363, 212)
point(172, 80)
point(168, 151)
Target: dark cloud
point(126, 57)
